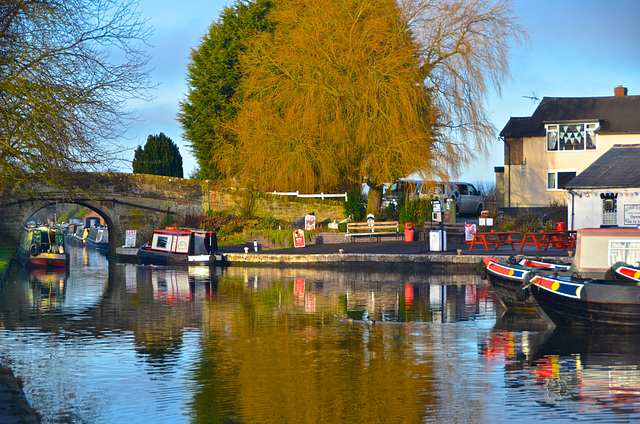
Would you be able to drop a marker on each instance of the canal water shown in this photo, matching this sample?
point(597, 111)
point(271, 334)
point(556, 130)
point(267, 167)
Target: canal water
point(121, 343)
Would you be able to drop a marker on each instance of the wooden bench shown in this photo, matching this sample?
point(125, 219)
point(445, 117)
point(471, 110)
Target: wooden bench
point(371, 230)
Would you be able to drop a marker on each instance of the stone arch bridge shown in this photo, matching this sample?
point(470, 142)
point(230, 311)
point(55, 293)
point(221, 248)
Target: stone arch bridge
point(124, 201)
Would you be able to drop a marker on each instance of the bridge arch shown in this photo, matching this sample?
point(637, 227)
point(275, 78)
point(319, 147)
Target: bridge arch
point(124, 201)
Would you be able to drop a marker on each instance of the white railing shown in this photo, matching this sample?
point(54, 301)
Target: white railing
point(319, 196)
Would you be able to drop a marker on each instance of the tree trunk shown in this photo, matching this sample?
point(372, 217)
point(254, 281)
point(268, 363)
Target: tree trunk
point(374, 200)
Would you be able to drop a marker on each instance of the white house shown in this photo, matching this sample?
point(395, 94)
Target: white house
point(562, 138)
point(607, 193)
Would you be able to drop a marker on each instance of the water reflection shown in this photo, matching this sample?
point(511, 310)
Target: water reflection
point(569, 374)
point(111, 342)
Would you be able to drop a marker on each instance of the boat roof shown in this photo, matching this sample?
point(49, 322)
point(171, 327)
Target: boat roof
point(181, 231)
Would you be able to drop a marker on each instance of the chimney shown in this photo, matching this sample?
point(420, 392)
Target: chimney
point(620, 91)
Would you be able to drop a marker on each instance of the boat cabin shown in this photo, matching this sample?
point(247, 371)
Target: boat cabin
point(186, 241)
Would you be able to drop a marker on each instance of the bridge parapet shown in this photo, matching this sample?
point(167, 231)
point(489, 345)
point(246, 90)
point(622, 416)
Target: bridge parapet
point(125, 201)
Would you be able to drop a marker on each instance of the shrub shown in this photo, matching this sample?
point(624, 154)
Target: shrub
point(354, 207)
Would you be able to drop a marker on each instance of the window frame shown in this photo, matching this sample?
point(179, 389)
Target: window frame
point(555, 172)
point(588, 131)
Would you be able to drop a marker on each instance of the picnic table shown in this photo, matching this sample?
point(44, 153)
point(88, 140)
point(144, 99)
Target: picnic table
point(565, 240)
point(487, 239)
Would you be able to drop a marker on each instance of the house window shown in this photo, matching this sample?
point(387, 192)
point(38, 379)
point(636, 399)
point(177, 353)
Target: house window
point(552, 137)
point(571, 137)
point(591, 136)
point(557, 180)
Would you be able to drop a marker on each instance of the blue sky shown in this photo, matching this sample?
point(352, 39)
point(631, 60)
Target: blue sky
point(578, 48)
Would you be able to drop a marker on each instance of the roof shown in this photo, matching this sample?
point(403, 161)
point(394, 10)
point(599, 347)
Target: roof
point(616, 114)
point(618, 167)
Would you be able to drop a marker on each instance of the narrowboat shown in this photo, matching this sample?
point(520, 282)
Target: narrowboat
point(43, 247)
point(98, 238)
point(624, 272)
point(568, 301)
point(180, 246)
point(509, 283)
point(80, 235)
point(544, 263)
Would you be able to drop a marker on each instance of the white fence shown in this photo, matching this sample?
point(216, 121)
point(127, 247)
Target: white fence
point(319, 196)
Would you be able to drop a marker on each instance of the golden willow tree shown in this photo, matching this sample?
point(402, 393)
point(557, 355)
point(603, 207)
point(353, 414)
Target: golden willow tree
point(352, 91)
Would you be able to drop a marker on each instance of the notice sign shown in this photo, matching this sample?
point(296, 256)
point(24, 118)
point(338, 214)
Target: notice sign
point(130, 238)
point(631, 214)
point(309, 222)
point(298, 238)
point(469, 232)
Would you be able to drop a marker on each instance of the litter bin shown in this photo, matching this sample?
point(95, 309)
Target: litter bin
point(560, 227)
point(408, 231)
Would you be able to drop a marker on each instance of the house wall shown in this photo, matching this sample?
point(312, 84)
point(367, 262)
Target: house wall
point(528, 176)
point(586, 208)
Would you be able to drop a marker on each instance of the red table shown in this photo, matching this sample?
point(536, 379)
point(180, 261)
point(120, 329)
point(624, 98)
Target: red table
point(487, 239)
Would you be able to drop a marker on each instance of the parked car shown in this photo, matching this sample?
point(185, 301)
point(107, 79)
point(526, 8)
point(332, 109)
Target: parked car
point(468, 199)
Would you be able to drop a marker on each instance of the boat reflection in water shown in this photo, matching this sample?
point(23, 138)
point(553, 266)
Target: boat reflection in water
point(570, 373)
point(47, 287)
point(200, 344)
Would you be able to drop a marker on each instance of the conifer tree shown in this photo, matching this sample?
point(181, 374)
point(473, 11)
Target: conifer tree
point(160, 156)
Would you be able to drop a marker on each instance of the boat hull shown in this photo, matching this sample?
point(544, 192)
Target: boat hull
point(508, 283)
point(566, 302)
point(151, 257)
point(622, 271)
point(43, 260)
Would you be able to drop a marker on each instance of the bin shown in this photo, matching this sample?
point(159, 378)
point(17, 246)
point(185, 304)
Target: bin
point(437, 240)
point(408, 231)
point(560, 227)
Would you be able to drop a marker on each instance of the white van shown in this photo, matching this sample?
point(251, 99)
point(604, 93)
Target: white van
point(468, 198)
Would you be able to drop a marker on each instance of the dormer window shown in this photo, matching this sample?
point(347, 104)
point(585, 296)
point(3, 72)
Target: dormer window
point(571, 137)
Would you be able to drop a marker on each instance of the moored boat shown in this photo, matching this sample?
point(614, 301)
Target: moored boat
point(80, 235)
point(566, 301)
point(43, 247)
point(509, 282)
point(180, 246)
point(624, 272)
point(543, 263)
point(98, 238)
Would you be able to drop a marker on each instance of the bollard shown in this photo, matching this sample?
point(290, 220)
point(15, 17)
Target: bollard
point(255, 245)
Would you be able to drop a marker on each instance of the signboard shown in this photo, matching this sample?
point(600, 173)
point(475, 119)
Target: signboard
point(298, 238)
point(632, 215)
point(130, 238)
point(485, 222)
point(469, 231)
point(436, 206)
point(309, 222)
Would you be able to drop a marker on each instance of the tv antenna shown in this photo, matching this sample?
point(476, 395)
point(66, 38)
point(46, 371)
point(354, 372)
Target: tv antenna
point(533, 97)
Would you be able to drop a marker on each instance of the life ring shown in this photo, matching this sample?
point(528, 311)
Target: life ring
point(34, 250)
